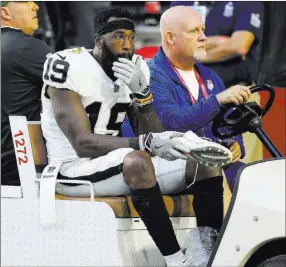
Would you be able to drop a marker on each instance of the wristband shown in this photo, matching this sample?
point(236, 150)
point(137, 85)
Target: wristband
point(144, 101)
point(141, 142)
point(147, 144)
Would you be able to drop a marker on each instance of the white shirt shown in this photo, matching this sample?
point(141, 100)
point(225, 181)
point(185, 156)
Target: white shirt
point(190, 79)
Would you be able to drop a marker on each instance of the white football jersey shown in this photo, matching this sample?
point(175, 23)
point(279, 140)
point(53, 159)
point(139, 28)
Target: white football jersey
point(77, 70)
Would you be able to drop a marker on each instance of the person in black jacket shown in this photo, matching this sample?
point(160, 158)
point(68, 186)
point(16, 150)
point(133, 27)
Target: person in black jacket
point(22, 61)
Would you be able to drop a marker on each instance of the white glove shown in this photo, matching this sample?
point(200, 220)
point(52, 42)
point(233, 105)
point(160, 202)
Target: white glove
point(164, 145)
point(133, 75)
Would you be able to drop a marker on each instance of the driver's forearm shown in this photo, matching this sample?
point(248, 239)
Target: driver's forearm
point(95, 145)
point(214, 41)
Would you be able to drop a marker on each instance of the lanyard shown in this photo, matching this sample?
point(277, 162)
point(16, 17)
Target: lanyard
point(199, 79)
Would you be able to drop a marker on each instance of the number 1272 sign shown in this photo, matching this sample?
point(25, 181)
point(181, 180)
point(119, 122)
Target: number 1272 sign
point(21, 150)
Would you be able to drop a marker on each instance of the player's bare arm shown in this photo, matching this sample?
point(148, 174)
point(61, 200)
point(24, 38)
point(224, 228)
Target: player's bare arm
point(131, 113)
point(144, 120)
point(72, 119)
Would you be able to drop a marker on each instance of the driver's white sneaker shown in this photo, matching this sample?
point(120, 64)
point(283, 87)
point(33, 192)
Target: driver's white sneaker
point(205, 151)
point(199, 244)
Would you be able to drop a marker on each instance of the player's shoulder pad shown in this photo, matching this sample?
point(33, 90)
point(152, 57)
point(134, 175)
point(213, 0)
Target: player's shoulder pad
point(68, 69)
point(67, 54)
point(60, 68)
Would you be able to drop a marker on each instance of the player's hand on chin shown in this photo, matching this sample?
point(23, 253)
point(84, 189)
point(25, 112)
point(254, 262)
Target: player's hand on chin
point(132, 74)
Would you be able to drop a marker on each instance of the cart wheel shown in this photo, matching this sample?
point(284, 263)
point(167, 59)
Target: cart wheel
point(277, 261)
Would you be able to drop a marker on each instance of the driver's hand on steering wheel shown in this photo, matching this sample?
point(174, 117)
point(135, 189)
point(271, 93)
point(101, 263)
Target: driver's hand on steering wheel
point(236, 152)
point(236, 94)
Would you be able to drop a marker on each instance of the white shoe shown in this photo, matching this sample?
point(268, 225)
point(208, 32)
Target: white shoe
point(177, 259)
point(181, 262)
point(204, 151)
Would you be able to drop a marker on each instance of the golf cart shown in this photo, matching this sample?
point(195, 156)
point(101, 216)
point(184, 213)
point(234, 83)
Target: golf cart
point(253, 232)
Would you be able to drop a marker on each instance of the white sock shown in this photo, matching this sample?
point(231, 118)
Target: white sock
point(175, 259)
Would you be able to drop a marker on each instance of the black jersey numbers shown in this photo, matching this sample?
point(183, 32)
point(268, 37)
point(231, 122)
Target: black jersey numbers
point(93, 112)
point(104, 120)
point(115, 121)
point(58, 72)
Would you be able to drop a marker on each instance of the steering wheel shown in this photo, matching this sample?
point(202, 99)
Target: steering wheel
point(235, 120)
